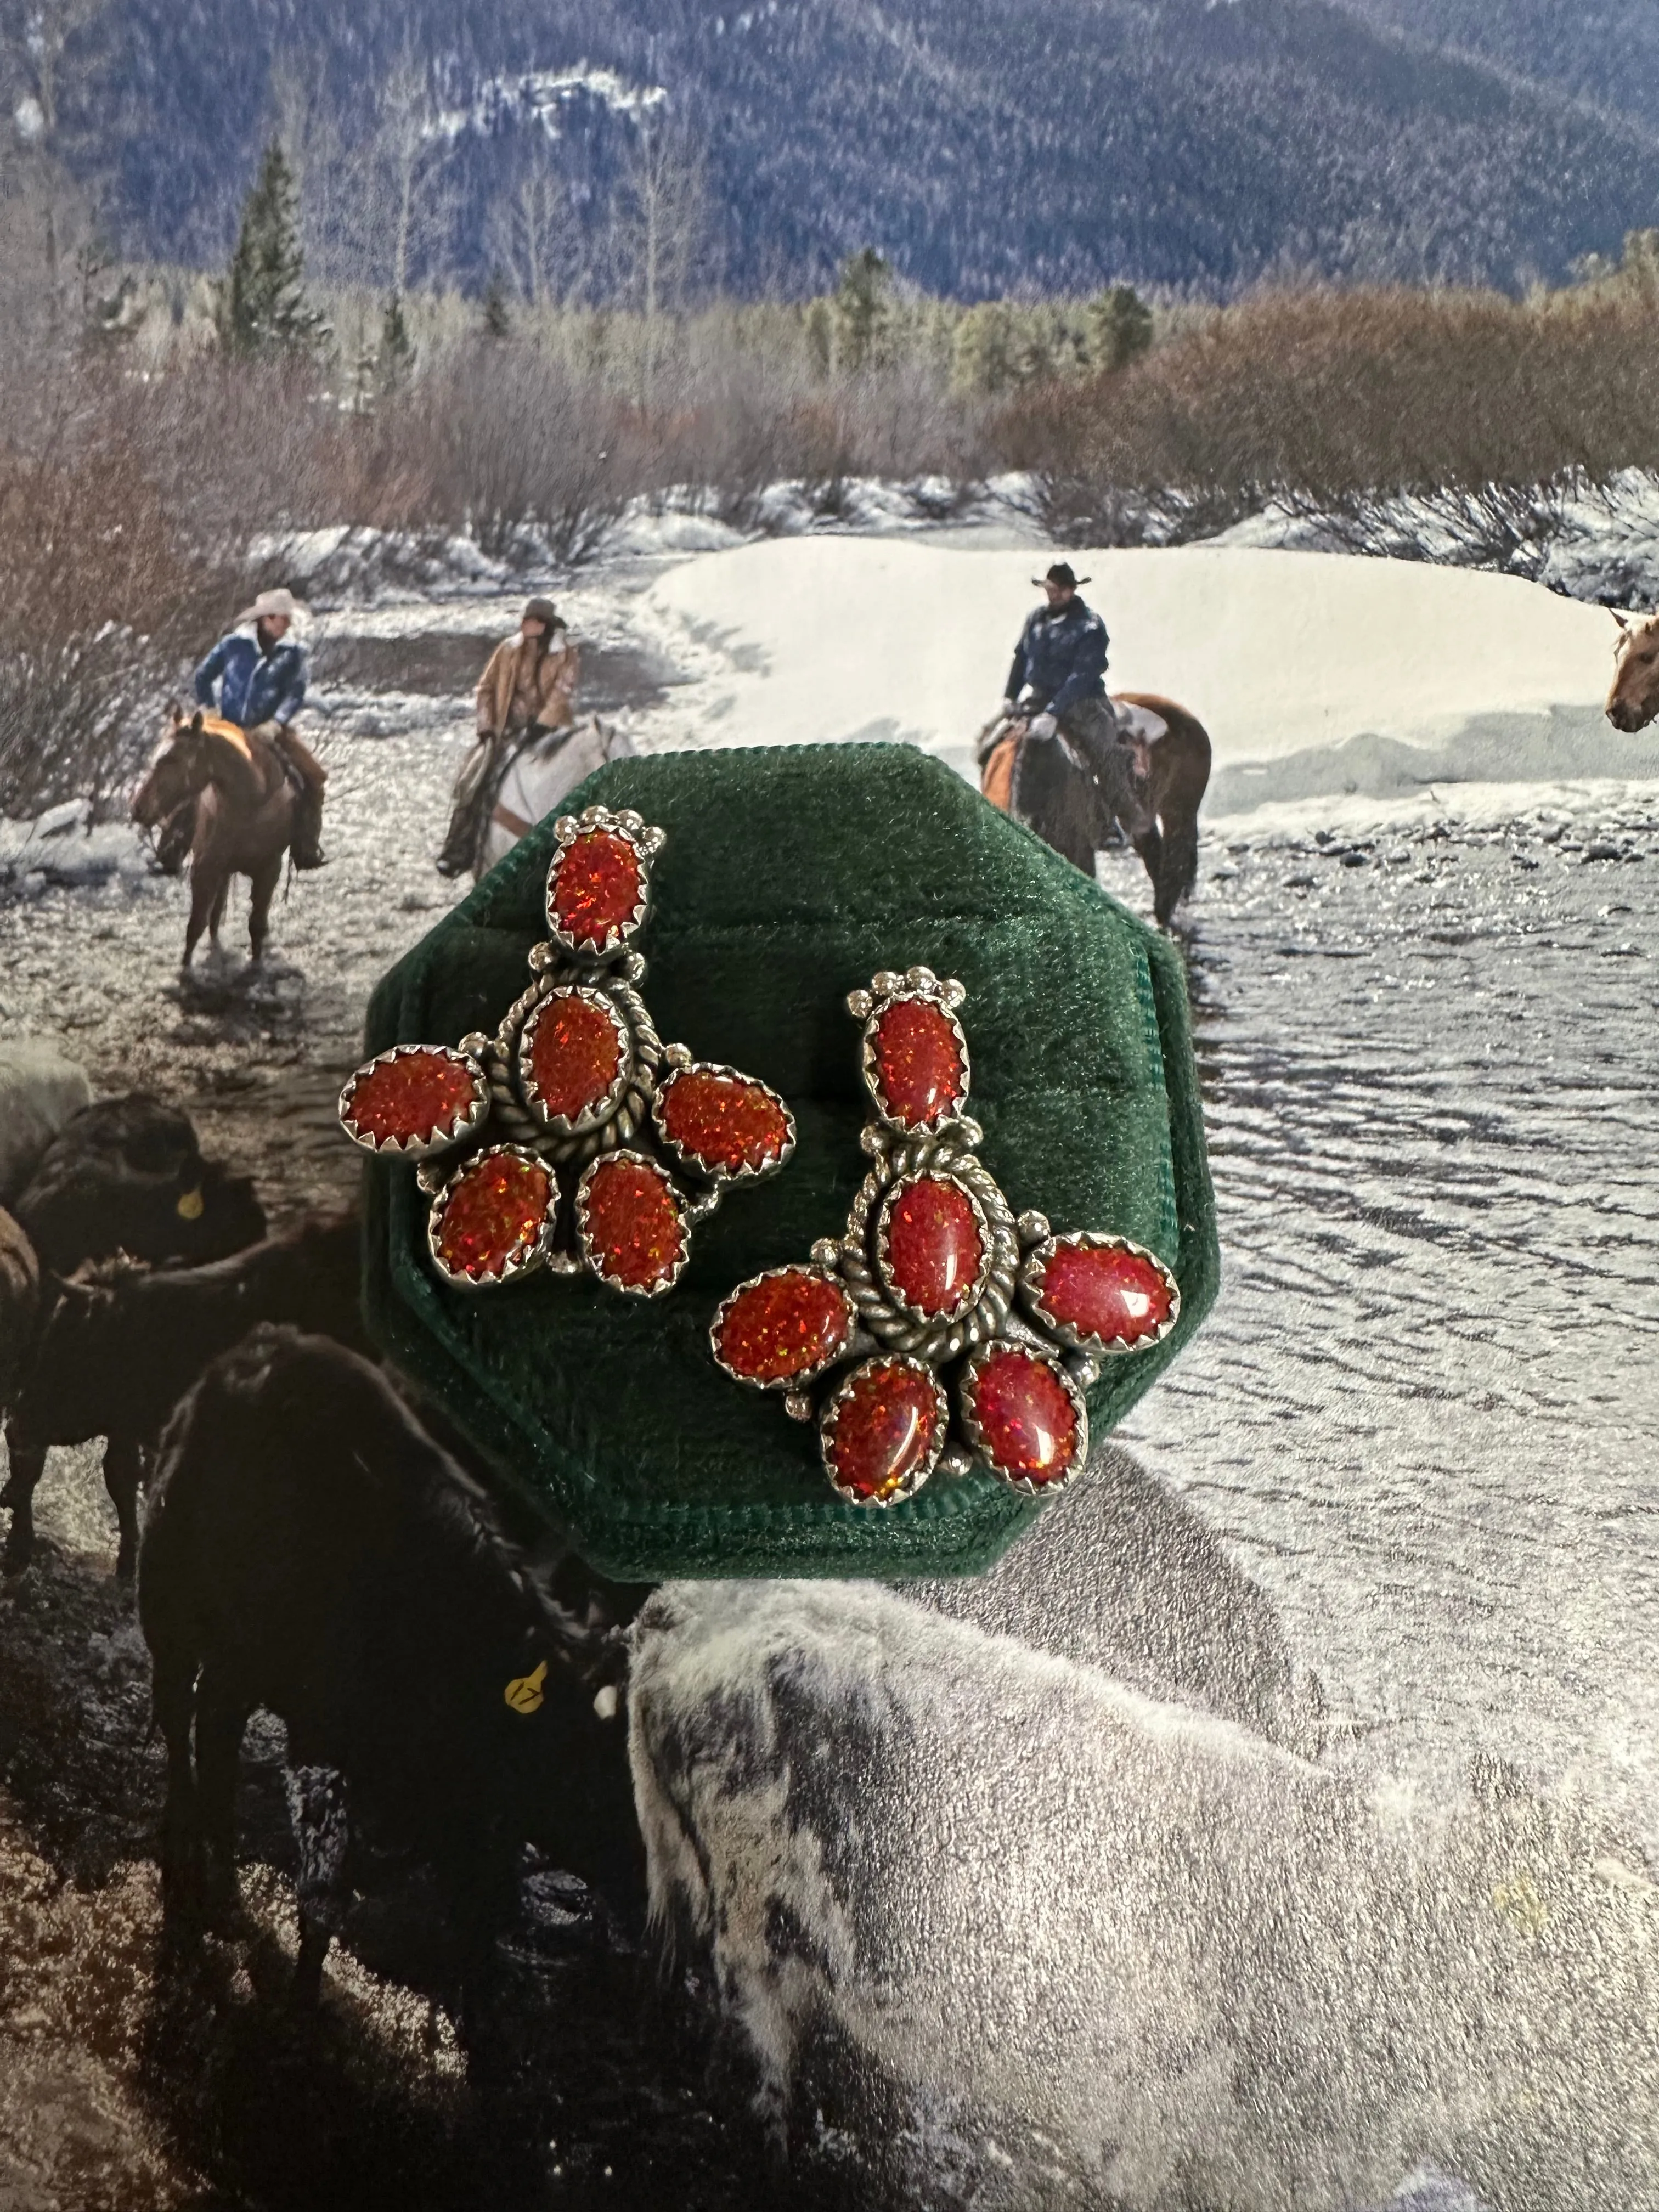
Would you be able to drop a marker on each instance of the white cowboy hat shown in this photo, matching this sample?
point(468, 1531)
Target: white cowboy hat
point(272, 603)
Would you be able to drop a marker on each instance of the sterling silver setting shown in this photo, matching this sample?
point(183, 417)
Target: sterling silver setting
point(590, 1250)
point(1035, 1273)
point(679, 1062)
point(461, 1126)
point(523, 1262)
point(596, 965)
point(804, 1372)
point(646, 844)
point(911, 1481)
point(867, 1006)
point(1003, 1312)
point(604, 1109)
point(968, 1405)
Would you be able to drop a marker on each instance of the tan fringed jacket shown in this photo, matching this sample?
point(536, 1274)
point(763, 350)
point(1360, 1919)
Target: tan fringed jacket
point(542, 692)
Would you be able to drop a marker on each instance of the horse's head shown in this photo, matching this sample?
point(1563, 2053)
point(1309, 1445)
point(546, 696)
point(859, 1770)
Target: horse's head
point(179, 768)
point(1633, 701)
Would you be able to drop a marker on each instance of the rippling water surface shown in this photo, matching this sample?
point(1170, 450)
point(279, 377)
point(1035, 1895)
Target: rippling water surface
point(1425, 1409)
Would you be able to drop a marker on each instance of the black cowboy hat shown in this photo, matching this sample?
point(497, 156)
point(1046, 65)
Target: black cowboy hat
point(543, 611)
point(1062, 574)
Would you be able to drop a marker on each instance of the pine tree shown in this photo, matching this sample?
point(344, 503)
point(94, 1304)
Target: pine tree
point(863, 308)
point(1120, 327)
point(397, 351)
point(497, 315)
point(261, 309)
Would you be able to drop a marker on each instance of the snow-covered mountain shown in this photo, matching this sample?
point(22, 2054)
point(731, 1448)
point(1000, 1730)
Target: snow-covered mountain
point(989, 146)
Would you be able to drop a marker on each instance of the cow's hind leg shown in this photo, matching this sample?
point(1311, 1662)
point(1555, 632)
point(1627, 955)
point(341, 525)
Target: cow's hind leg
point(174, 1690)
point(27, 1465)
point(221, 1711)
point(124, 1467)
point(321, 1814)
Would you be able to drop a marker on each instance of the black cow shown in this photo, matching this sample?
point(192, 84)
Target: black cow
point(19, 1301)
point(119, 1344)
point(127, 1175)
point(309, 1549)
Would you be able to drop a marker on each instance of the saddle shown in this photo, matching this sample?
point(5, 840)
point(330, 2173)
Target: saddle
point(996, 774)
point(999, 750)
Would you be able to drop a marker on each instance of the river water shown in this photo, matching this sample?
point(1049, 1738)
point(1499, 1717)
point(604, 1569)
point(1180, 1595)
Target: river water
point(1426, 1409)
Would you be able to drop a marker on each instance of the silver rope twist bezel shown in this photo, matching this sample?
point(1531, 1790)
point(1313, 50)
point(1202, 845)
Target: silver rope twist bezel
point(936, 1342)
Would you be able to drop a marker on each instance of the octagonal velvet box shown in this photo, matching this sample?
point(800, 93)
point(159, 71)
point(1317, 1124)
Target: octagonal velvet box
point(789, 877)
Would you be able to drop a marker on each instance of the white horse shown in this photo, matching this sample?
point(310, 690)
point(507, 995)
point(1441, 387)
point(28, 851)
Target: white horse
point(1633, 701)
point(542, 776)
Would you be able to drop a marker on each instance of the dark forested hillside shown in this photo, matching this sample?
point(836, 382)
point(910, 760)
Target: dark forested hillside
point(1606, 50)
point(987, 146)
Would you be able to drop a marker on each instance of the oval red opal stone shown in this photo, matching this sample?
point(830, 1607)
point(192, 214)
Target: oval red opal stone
point(494, 1213)
point(596, 886)
point(934, 1248)
point(784, 1326)
point(1105, 1291)
point(919, 1062)
point(634, 1232)
point(575, 1051)
point(1027, 1422)
point(412, 1098)
point(887, 1416)
point(724, 1120)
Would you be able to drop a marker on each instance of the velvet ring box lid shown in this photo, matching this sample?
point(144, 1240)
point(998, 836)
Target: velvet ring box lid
point(789, 878)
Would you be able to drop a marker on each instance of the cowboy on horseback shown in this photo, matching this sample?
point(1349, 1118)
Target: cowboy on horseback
point(261, 683)
point(1056, 686)
point(525, 694)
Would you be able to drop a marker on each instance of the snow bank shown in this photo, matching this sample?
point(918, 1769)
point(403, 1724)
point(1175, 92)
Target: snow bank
point(64, 847)
point(1311, 671)
point(333, 567)
point(1602, 546)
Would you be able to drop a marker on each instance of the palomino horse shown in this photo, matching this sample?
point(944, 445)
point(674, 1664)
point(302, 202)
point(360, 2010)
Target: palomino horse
point(244, 818)
point(1049, 786)
point(1633, 701)
point(539, 776)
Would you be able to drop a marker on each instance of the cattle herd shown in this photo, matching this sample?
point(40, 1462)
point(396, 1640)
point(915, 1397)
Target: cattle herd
point(309, 1547)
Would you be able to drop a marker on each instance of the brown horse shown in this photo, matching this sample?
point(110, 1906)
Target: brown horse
point(245, 806)
point(1050, 787)
point(1633, 701)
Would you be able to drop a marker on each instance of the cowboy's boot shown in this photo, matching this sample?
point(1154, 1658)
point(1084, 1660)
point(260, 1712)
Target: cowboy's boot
point(304, 844)
point(308, 776)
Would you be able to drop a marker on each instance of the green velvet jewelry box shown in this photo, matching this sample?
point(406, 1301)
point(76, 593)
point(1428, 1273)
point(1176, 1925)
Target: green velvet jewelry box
point(790, 876)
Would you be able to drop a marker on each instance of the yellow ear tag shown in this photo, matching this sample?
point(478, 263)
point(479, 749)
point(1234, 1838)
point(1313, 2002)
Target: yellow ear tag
point(191, 1205)
point(523, 1694)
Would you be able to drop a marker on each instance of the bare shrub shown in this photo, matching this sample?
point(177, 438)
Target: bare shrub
point(1341, 403)
point(522, 454)
point(235, 448)
point(97, 601)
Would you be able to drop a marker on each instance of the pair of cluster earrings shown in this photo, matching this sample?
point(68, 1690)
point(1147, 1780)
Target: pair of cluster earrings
point(938, 1333)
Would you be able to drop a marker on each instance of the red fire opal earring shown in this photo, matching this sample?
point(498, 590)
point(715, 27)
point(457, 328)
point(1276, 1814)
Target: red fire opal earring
point(589, 1143)
point(976, 1333)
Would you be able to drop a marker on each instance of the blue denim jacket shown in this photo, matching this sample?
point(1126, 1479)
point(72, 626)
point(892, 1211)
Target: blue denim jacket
point(1062, 654)
point(253, 687)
